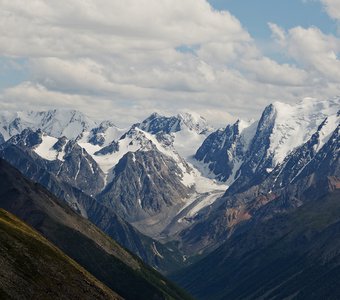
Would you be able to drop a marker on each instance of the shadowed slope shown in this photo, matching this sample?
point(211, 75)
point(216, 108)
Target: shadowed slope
point(33, 268)
point(293, 255)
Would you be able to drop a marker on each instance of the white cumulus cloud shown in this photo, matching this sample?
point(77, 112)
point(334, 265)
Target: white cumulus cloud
point(125, 59)
point(332, 8)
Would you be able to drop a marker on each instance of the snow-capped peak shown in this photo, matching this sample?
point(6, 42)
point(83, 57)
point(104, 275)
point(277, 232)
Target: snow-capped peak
point(295, 124)
point(187, 130)
point(134, 140)
point(194, 122)
point(56, 123)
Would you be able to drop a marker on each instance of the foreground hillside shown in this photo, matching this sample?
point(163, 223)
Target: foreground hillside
point(33, 268)
point(81, 240)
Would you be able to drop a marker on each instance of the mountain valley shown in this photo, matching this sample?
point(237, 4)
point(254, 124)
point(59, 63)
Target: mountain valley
point(189, 199)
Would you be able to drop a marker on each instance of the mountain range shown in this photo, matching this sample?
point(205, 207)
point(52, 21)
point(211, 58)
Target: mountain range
point(70, 238)
point(188, 198)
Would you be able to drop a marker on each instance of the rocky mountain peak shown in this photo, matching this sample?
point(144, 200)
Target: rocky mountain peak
point(156, 123)
point(27, 138)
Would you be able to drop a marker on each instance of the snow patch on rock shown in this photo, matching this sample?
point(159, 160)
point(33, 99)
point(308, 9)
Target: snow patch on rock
point(45, 149)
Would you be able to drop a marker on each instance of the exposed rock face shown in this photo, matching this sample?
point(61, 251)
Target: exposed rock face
point(80, 169)
point(223, 151)
point(145, 184)
point(109, 149)
point(27, 138)
point(157, 123)
point(239, 153)
point(2, 139)
point(257, 160)
point(326, 161)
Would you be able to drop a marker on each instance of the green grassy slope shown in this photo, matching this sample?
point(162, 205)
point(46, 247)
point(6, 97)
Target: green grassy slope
point(32, 268)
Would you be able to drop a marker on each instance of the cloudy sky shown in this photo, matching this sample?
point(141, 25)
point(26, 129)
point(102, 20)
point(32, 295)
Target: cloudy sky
point(123, 59)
